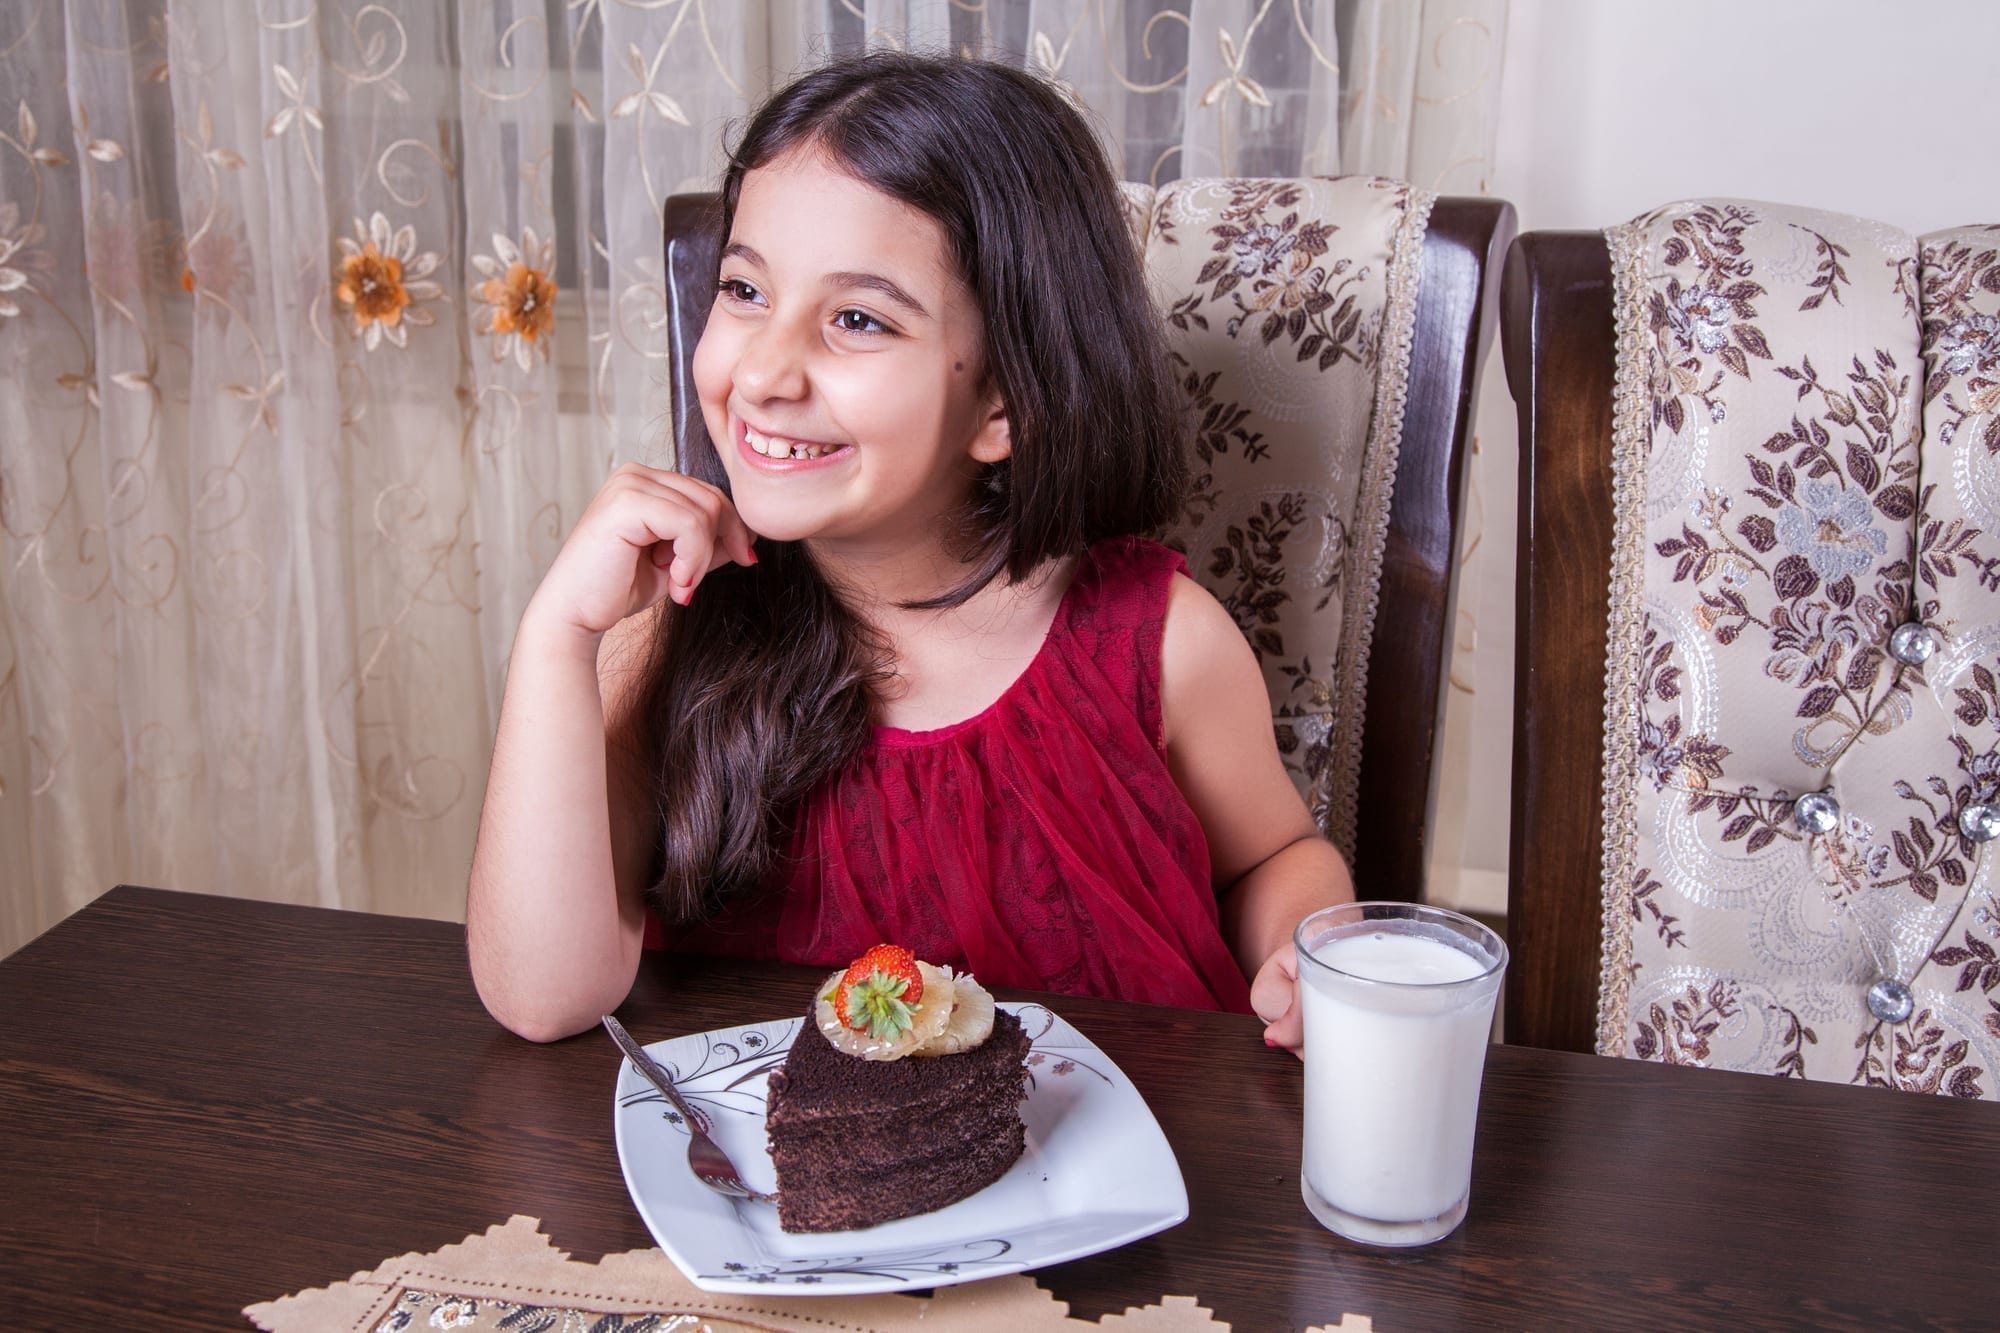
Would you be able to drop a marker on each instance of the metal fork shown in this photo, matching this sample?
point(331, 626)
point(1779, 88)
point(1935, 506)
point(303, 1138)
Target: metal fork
point(711, 1165)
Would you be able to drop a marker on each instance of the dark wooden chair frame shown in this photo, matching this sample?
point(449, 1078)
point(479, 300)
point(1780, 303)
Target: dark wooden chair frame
point(1411, 651)
point(1557, 343)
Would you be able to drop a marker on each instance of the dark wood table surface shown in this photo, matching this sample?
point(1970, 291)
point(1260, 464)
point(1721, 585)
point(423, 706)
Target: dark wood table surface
point(206, 1103)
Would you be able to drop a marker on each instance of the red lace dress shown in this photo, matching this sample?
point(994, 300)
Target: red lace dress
point(1041, 843)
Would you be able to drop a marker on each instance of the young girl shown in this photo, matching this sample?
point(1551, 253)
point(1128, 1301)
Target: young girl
point(889, 661)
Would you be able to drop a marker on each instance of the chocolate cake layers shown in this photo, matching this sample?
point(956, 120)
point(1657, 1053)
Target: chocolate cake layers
point(860, 1142)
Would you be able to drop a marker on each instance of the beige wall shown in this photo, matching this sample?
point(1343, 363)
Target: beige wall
point(1611, 107)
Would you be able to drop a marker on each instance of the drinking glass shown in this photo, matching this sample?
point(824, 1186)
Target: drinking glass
point(1398, 1011)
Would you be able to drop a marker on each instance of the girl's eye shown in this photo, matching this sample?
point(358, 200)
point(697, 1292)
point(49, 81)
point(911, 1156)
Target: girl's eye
point(859, 321)
point(737, 290)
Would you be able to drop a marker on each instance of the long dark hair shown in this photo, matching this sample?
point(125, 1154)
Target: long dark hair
point(763, 686)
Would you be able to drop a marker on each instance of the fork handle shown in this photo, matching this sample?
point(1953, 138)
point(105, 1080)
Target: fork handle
point(646, 1065)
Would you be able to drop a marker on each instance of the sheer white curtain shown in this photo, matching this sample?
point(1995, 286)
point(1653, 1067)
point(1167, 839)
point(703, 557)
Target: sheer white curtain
point(320, 320)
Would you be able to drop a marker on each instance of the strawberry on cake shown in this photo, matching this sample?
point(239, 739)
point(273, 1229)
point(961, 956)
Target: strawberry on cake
point(901, 1094)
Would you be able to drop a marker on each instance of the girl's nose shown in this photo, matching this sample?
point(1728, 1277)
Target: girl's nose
point(772, 365)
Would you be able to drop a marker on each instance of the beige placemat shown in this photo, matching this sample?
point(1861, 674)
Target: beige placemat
point(513, 1277)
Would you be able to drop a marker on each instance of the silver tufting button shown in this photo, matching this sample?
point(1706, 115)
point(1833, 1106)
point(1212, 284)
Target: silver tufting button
point(1889, 1000)
point(1979, 821)
point(1913, 643)
point(1816, 812)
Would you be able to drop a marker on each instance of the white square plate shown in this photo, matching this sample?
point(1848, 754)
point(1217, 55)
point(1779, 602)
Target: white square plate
point(1097, 1174)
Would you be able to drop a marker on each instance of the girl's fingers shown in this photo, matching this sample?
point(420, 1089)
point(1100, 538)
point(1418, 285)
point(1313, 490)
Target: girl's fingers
point(1289, 1032)
point(735, 538)
point(672, 531)
point(681, 526)
point(634, 480)
point(732, 540)
point(728, 539)
point(1275, 987)
point(1274, 994)
point(691, 561)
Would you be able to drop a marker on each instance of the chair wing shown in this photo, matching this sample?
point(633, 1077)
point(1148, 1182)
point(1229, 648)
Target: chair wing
point(1555, 303)
point(1330, 335)
point(1761, 524)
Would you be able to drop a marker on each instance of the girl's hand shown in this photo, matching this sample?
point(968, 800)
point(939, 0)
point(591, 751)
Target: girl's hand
point(1274, 994)
point(648, 535)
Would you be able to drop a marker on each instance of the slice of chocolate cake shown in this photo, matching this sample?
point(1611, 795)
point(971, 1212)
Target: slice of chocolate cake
point(861, 1141)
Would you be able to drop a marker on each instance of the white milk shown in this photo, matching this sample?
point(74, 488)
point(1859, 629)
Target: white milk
point(1392, 1078)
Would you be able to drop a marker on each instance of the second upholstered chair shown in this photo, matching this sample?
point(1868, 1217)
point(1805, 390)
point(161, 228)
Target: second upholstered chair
point(1761, 524)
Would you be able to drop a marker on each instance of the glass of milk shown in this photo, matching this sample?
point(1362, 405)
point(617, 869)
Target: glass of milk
point(1398, 1010)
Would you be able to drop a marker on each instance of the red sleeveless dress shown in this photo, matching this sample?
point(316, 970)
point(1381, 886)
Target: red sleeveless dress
point(1041, 843)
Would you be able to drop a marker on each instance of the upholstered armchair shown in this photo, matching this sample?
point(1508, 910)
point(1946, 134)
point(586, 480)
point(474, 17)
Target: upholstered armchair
point(1761, 523)
point(1329, 334)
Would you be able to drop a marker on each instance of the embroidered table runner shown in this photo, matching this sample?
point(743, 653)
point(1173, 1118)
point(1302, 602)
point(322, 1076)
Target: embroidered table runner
point(514, 1277)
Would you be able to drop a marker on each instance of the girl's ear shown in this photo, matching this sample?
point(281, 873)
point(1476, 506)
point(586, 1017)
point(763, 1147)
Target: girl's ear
point(994, 441)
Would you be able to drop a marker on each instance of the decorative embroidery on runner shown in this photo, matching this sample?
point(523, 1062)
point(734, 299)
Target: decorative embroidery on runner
point(1631, 425)
point(1371, 527)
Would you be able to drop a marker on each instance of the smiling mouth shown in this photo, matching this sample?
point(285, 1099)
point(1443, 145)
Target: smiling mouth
point(777, 446)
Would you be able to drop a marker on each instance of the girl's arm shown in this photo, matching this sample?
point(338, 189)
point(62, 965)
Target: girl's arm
point(1271, 866)
point(554, 913)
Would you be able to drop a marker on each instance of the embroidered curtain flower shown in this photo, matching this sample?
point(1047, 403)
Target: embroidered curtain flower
point(15, 257)
point(130, 252)
point(217, 259)
point(519, 297)
point(381, 277)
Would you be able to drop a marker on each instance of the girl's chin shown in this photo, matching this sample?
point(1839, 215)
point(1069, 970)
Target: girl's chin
point(779, 525)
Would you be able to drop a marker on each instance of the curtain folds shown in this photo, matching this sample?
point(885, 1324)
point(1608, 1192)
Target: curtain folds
point(321, 320)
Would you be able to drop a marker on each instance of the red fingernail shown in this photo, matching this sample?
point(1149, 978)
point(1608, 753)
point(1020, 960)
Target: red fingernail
point(1269, 1042)
point(753, 555)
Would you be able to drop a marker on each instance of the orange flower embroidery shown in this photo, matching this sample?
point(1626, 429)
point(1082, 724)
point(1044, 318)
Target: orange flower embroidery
point(520, 298)
point(381, 278)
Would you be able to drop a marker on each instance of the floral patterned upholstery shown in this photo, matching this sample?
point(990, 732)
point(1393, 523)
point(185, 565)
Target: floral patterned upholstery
point(1289, 306)
point(1807, 457)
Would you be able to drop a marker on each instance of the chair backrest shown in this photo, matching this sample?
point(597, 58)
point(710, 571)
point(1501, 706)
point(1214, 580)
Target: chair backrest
point(1757, 750)
point(1331, 335)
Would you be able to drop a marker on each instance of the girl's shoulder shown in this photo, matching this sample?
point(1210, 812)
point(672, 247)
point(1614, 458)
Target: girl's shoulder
point(1133, 559)
point(1116, 619)
point(1123, 581)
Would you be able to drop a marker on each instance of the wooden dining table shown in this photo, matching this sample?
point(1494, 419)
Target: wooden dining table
point(208, 1102)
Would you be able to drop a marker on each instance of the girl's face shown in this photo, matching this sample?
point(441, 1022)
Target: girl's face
point(841, 373)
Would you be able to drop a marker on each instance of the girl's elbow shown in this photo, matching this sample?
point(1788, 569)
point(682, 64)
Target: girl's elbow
point(537, 1019)
point(543, 1028)
point(542, 999)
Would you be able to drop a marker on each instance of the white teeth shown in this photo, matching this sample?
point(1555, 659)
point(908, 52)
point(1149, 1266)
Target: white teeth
point(772, 446)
